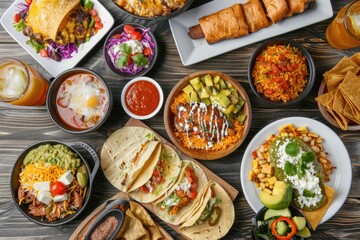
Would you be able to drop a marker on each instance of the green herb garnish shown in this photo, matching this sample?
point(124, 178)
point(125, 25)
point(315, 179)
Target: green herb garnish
point(308, 193)
point(308, 157)
point(19, 26)
point(290, 169)
point(37, 46)
point(139, 59)
point(292, 148)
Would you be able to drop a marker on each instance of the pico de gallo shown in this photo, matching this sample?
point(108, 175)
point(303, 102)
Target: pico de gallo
point(156, 179)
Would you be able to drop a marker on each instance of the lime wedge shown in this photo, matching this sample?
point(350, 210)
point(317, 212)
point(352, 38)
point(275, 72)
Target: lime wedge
point(355, 22)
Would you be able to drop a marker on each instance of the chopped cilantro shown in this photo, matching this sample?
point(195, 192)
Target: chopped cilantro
point(140, 59)
point(290, 169)
point(125, 49)
point(308, 193)
point(292, 148)
point(308, 157)
point(122, 61)
point(301, 171)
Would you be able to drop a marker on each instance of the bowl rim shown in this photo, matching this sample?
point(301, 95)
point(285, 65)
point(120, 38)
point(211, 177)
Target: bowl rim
point(310, 65)
point(21, 156)
point(326, 114)
point(158, 18)
point(202, 154)
point(51, 108)
point(157, 109)
point(144, 70)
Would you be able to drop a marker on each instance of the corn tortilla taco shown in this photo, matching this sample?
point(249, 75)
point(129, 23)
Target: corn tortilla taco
point(213, 217)
point(164, 175)
point(180, 197)
point(126, 154)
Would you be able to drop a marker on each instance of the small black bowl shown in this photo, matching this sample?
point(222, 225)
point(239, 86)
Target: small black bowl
point(260, 217)
point(51, 100)
point(158, 18)
point(118, 30)
point(92, 165)
point(310, 66)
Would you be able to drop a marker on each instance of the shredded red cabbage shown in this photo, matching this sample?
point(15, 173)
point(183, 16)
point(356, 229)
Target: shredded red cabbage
point(23, 9)
point(146, 42)
point(64, 51)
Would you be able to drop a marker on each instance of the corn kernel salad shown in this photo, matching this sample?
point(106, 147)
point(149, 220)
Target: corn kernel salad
point(262, 173)
point(280, 72)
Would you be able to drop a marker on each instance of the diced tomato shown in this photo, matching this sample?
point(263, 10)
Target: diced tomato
point(188, 169)
point(278, 79)
point(192, 195)
point(16, 18)
point(136, 36)
point(295, 66)
point(193, 176)
point(129, 29)
point(193, 187)
point(144, 189)
point(284, 85)
point(188, 173)
point(180, 193)
point(269, 72)
point(156, 172)
point(117, 35)
point(28, 2)
point(269, 91)
point(97, 19)
point(147, 51)
point(189, 179)
point(281, 57)
point(275, 69)
point(130, 60)
point(157, 179)
point(160, 163)
point(93, 12)
point(98, 25)
point(43, 52)
point(260, 58)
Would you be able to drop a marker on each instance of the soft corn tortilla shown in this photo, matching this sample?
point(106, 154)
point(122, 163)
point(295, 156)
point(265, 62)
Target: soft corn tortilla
point(204, 230)
point(201, 181)
point(48, 16)
point(172, 167)
point(126, 153)
point(314, 217)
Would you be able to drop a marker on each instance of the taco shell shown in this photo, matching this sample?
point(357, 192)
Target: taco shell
point(201, 182)
point(171, 168)
point(126, 153)
point(203, 230)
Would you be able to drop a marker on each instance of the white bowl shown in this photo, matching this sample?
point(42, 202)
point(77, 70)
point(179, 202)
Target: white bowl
point(161, 100)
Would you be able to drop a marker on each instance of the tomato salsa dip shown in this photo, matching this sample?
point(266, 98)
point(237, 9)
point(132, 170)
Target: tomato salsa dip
point(280, 72)
point(142, 98)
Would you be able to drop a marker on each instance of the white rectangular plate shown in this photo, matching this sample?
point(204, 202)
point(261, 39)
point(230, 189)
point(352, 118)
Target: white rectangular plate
point(53, 67)
point(194, 51)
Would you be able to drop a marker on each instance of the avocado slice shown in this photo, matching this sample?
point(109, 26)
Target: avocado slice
point(304, 233)
point(196, 83)
point(226, 92)
point(208, 81)
point(281, 228)
point(300, 222)
point(188, 89)
point(204, 93)
point(222, 99)
point(223, 84)
point(276, 213)
point(280, 197)
point(216, 79)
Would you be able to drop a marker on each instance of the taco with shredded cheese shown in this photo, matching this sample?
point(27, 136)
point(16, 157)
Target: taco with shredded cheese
point(180, 197)
point(164, 175)
point(212, 215)
point(127, 154)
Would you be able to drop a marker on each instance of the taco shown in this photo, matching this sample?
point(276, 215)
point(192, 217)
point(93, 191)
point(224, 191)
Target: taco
point(163, 177)
point(213, 216)
point(127, 154)
point(180, 197)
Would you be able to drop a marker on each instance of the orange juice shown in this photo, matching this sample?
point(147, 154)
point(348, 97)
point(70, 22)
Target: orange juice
point(344, 31)
point(20, 84)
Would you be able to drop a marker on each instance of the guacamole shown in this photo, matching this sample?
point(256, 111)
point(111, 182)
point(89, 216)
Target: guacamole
point(296, 163)
point(57, 154)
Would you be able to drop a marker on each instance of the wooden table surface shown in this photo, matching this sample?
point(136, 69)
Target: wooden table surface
point(20, 127)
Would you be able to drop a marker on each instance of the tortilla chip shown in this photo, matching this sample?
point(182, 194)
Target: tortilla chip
point(333, 81)
point(356, 58)
point(351, 113)
point(325, 98)
point(350, 88)
point(314, 217)
point(344, 66)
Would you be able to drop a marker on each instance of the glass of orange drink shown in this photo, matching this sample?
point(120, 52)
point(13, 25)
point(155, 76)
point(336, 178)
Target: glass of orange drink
point(20, 84)
point(344, 31)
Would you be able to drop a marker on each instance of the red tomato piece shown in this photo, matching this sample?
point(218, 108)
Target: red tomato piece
point(97, 19)
point(58, 188)
point(157, 179)
point(275, 69)
point(189, 179)
point(136, 36)
point(144, 189)
point(129, 29)
point(278, 79)
point(281, 57)
point(130, 60)
point(147, 51)
point(28, 2)
point(93, 12)
point(192, 195)
point(180, 193)
point(16, 18)
point(43, 52)
point(269, 91)
point(156, 172)
point(117, 35)
point(98, 25)
point(284, 85)
point(188, 173)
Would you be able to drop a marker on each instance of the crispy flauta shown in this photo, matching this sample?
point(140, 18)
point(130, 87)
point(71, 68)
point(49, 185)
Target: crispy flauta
point(276, 9)
point(298, 6)
point(225, 24)
point(255, 15)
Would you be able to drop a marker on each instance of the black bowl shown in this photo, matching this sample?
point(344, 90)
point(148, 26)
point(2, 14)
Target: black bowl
point(118, 30)
point(159, 18)
point(51, 100)
point(260, 217)
point(310, 66)
point(91, 167)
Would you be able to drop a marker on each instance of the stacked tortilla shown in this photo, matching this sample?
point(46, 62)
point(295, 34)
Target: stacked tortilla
point(135, 161)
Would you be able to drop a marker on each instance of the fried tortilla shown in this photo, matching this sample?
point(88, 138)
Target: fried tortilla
point(255, 15)
point(47, 17)
point(276, 9)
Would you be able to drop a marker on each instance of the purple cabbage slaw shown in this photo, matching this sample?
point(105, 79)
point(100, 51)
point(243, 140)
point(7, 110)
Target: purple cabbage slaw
point(146, 42)
point(65, 51)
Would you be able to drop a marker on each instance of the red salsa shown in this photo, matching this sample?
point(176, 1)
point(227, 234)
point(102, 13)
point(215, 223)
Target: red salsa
point(142, 98)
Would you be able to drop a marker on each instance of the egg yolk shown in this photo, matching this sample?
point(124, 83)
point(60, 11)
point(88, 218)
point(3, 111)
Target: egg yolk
point(91, 101)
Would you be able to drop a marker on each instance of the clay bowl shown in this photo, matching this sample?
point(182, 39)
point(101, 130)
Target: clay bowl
point(169, 117)
point(351, 127)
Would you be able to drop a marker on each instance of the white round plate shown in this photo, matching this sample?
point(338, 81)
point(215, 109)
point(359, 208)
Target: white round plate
point(340, 179)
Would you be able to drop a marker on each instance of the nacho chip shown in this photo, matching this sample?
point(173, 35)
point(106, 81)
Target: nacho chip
point(333, 81)
point(356, 58)
point(350, 88)
point(344, 66)
point(314, 217)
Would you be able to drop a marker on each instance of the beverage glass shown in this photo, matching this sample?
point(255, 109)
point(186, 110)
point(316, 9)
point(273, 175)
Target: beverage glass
point(20, 84)
point(344, 31)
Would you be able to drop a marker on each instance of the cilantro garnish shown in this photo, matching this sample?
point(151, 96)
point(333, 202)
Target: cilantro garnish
point(139, 59)
point(308, 157)
point(125, 49)
point(122, 61)
point(308, 193)
point(292, 148)
point(290, 169)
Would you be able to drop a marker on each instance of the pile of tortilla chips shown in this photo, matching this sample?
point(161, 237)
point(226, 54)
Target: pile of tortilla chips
point(342, 100)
